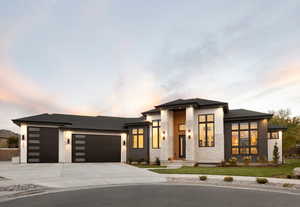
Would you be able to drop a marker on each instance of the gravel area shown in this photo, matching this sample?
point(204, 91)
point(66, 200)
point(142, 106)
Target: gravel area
point(23, 187)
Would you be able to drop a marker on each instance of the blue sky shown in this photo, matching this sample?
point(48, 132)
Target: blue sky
point(122, 57)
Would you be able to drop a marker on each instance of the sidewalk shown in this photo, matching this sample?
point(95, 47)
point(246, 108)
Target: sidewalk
point(235, 178)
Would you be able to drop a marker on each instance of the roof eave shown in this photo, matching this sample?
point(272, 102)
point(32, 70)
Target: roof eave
point(248, 118)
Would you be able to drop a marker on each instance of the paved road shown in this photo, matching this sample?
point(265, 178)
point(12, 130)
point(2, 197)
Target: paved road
point(159, 196)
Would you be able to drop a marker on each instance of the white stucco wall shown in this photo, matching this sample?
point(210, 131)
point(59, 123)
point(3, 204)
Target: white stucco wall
point(191, 139)
point(166, 150)
point(153, 153)
point(271, 144)
point(211, 154)
point(23, 143)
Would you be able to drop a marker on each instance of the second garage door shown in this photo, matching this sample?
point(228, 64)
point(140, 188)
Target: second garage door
point(96, 148)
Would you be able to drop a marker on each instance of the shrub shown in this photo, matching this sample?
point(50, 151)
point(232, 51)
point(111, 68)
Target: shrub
point(262, 159)
point(233, 161)
point(247, 160)
point(203, 178)
point(288, 185)
point(13, 142)
point(289, 176)
point(262, 180)
point(223, 163)
point(228, 179)
point(157, 161)
point(276, 154)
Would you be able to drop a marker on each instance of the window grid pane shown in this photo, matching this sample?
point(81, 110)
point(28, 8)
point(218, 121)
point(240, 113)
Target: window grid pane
point(155, 138)
point(141, 141)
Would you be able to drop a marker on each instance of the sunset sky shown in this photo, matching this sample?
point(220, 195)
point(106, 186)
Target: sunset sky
point(120, 58)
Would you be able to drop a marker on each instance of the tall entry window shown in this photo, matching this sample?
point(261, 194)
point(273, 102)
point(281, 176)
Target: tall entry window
point(244, 138)
point(156, 134)
point(206, 126)
point(138, 138)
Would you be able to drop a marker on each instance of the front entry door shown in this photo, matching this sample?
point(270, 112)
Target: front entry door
point(181, 146)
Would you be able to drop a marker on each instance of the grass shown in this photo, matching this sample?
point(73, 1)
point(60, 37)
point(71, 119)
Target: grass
point(280, 171)
point(149, 166)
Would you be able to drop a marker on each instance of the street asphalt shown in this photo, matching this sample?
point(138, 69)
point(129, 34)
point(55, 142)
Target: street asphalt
point(159, 196)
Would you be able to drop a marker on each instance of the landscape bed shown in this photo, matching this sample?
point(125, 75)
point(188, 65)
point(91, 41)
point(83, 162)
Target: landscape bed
point(281, 171)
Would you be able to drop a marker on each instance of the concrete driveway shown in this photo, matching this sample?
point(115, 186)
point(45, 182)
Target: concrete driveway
point(75, 174)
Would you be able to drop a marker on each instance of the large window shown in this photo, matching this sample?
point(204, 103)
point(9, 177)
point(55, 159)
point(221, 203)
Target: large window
point(138, 138)
point(244, 138)
point(206, 127)
point(156, 134)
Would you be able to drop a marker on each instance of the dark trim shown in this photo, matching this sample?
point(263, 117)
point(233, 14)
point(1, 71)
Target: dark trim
point(41, 123)
point(246, 118)
point(144, 123)
point(138, 134)
point(249, 146)
point(206, 122)
point(158, 133)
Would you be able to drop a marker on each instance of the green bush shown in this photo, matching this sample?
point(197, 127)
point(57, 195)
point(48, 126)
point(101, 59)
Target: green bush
point(233, 161)
point(223, 163)
point(276, 154)
point(262, 180)
point(289, 176)
point(288, 185)
point(13, 142)
point(157, 161)
point(228, 179)
point(203, 178)
point(247, 160)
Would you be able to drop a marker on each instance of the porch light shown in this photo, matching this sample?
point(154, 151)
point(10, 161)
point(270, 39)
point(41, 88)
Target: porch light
point(23, 137)
point(68, 141)
point(124, 143)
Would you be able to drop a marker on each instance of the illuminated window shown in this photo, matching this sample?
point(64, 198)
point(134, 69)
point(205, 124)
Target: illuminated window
point(156, 134)
point(206, 127)
point(244, 138)
point(273, 135)
point(181, 127)
point(138, 138)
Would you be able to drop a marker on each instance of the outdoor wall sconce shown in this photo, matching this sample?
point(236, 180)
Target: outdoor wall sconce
point(189, 136)
point(189, 131)
point(68, 141)
point(23, 137)
point(164, 132)
point(124, 143)
point(164, 138)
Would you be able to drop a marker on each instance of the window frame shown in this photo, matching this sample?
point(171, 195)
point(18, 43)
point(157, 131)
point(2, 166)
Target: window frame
point(270, 134)
point(158, 133)
point(206, 123)
point(249, 131)
point(137, 141)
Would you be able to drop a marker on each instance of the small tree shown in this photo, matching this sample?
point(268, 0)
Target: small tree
point(276, 154)
point(13, 142)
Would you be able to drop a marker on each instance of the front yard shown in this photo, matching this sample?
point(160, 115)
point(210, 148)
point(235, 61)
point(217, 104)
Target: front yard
point(280, 172)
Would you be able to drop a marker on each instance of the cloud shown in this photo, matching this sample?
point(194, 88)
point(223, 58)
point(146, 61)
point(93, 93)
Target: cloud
point(135, 91)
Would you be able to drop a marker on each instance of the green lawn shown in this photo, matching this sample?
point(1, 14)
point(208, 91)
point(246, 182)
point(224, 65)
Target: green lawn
point(280, 171)
point(149, 166)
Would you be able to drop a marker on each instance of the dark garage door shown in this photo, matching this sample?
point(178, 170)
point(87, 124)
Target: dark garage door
point(96, 148)
point(42, 145)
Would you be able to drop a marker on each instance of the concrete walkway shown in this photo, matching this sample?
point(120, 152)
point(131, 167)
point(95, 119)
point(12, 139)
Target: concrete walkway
point(75, 174)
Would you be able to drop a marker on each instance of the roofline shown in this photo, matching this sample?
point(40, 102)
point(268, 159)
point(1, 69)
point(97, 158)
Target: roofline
point(144, 123)
point(248, 117)
point(19, 122)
